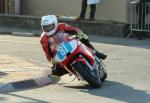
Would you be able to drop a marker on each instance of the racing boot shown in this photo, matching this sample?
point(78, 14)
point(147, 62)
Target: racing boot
point(86, 42)
point(100, 55)
point(58, 70)
point(97, 53)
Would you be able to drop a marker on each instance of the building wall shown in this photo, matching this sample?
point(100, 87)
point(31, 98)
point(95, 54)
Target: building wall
point(10, 6)
point(115, 10)
point(58, 7)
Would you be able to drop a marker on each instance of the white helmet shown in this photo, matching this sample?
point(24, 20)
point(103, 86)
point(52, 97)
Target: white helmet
point(49, 24)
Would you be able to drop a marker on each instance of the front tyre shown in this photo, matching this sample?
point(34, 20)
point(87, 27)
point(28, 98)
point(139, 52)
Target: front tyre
point(90, 76)
point(102, 71)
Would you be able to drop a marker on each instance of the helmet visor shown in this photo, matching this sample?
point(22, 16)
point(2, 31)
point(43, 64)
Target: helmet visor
point(48, 28)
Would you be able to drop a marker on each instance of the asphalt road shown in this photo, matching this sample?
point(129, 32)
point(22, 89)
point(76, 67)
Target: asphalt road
point(128, 67)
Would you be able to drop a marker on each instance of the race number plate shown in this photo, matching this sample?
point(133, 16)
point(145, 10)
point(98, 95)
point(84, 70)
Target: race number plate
point(63, 50)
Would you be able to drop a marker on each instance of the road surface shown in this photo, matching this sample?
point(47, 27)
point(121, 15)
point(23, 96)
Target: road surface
point(128, 67)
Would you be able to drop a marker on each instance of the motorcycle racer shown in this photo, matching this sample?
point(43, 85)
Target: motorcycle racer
point(50, 27)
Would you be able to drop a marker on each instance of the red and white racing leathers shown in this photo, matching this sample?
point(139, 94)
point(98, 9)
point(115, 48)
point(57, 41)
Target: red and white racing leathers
point(44, 38)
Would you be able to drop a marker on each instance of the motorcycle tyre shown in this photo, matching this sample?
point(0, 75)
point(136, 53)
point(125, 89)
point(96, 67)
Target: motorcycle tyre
point(83, 70)
point(105, 74)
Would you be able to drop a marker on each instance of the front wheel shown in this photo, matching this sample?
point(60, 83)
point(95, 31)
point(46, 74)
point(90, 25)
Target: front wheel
point(90, 76)
point(102, 71)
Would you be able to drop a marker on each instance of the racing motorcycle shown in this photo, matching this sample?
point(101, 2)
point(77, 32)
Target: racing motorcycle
point(78, 59)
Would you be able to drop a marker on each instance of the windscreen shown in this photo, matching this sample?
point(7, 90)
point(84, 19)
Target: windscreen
point(57, 39)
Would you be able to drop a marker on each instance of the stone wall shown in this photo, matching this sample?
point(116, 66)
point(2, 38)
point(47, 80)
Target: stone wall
point(106, 28)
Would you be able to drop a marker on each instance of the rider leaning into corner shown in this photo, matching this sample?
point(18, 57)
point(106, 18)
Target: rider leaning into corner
point(50, 27)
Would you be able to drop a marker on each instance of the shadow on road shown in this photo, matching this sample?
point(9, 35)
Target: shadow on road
point(117, 91)
point(3, 74)
point(121, 41)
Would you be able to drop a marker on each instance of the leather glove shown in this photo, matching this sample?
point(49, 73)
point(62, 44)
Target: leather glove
point(53, 62)
point(81, 36)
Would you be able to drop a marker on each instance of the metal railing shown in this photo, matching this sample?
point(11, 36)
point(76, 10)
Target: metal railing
point(140, 17)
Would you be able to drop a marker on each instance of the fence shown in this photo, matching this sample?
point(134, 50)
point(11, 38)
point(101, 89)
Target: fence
point(140, 17)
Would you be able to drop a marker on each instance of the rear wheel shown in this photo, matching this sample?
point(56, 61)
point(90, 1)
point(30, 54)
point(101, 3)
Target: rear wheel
point(92, 77)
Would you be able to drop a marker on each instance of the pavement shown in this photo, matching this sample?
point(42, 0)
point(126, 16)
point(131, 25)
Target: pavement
point(19, 31)
point(16, 73)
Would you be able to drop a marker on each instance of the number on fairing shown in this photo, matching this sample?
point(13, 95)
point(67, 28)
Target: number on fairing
point(63, 49)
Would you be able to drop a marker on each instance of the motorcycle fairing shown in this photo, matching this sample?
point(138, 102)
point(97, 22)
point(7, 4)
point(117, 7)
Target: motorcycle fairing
point(63, 49)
